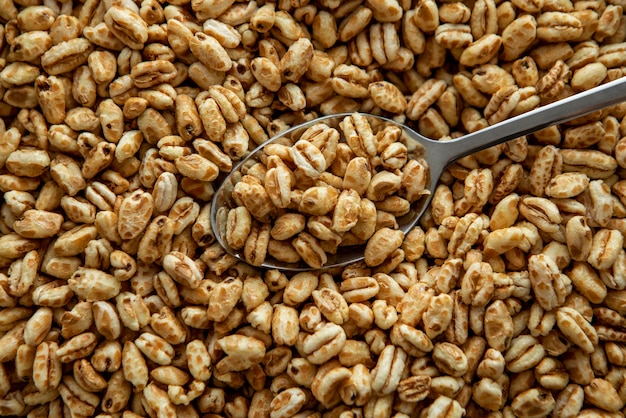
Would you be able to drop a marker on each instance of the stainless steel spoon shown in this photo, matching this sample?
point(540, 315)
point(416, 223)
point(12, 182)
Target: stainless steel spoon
point(438, 154)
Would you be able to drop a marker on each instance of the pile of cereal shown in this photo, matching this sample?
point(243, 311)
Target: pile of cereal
point(119, 119)
point(328, 188)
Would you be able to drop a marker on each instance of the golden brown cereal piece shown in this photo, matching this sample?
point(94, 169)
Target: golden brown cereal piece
point(387, 96)
point(450, 359)
point(241, 352)
point(414, 177)
point(483, 19)
point(87, 377)
point(427, 16)
point(381, 245)
point(325, 139)
point(518, 36)
point(285, 325)
point(51, 96)
point(489, 78)
point(100, 35)
point(38, 224)
point(386, 10)
point(481, 50)
point(525, 72)
point(266, 73)
point(463, 84)
point(567, 185)
point(593, 163)
point(30, 45)
point(466, 232)
point(605, 248)
point(354, 23)
point(288, 402)
point(127, 26)
point(76, 398)
point(589, 76)
point(296, 60)
point(454, 13)
point(254, 197)
point(451, 35)
point(223, 32)
point(196, 167)
point(359, 136)
point(92, 285)
point(150, 73)
point(576, 329)
point(546, 281)
point(424, 97)
point(47, 373)
point(366, 225)
point(182, 269)
point(346, 213)
point(478, 187)
point(541, 212)
point(327, 381)
point(547, 165)
point(210, 52)
point(357, 175)
point(383, 185)
point(238, 228)
point(318, 200)
point(310, 250)
point(553, 82)
point(263, 19)
point(610, 55)
point(602, 394)
point(350, 81)
point(158, 400)
point(77, 347)
point(308, 158)
point(412, 35)
point(502, 103)
point(288, 225)
point(535, 399)
point(134, 214)
point(325, 343)
point(558, 27)
point(66, 56)
point(255, 248)
point(111, 116)
point(387, 374)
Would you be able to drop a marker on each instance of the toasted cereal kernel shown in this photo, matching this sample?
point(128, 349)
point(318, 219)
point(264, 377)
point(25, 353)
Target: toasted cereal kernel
point(387, 96)
point(535, 399)
point(38, 224)
point(381, 245)
point(481, 50)
point(93, 285)
point(310, 250)
point(605, 248)
point(134, 214)
point(518, 36)
point(108, 261)
point(66, 56)
point(424, 97)
point(127, 26)
point(558, 27)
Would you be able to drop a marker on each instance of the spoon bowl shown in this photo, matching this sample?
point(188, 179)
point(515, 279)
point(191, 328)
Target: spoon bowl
point(436, 156)
point(223, 200)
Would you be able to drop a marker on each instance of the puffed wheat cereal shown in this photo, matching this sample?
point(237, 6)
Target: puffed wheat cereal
point(120, 119)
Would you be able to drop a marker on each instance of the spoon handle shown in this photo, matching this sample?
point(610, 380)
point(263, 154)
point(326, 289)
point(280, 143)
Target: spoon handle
point(554, 113)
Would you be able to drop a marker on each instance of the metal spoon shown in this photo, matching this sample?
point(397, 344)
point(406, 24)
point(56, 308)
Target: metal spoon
point(438, 155)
